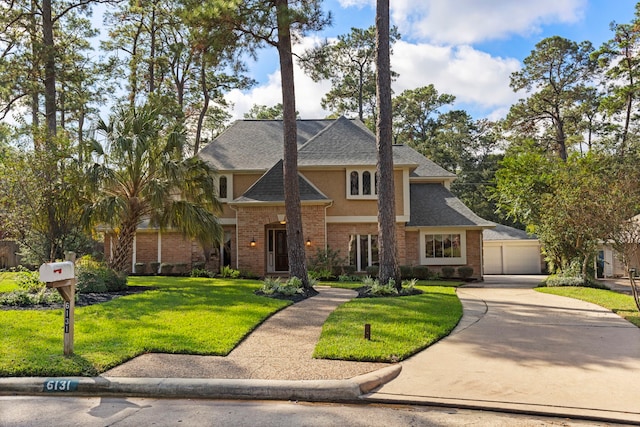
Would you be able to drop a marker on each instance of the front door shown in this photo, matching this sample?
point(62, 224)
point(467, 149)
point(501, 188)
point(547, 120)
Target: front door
point(281, 253)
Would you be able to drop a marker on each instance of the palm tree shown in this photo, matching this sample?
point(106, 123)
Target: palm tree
point(141, 173)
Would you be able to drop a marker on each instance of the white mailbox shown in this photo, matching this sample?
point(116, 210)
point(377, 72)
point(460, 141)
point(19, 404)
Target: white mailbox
point(56, 271)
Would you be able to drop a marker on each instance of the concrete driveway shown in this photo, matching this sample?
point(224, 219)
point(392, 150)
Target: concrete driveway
point(520, 350)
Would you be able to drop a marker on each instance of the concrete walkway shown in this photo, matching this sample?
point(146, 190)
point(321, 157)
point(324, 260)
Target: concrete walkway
point(281, 348)
point(520, 350)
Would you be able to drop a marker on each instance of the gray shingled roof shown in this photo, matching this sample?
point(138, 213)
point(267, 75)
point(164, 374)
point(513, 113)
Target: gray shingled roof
point(432, 205)
point(255, 144)
point(426, 168)
point(344, 142)
point(270, 188)
point(504, 232)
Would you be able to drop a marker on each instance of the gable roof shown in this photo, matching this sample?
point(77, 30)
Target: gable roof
point(432, 205)
point(255, 144)
point(504, 232)
point(270, 188)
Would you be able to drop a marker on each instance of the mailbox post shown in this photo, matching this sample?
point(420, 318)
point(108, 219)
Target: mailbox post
point(61, 276)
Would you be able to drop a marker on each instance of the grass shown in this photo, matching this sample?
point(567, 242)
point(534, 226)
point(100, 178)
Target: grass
point(7, 281)
point(184, 315)
point(622, 305)
point(400, 326)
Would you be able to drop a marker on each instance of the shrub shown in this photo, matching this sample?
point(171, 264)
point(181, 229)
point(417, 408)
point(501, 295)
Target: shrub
point(447, 272)
point(375, 288)
point(29, 281)
point(271, 286)
point(409, 285)
point(155, 267)
point(406, 272)
point(421, 272)
point(561, 280)
point(347, 278)
point(201, 272)
point(349, 270)
point(372, 270)
point(229, 273)
point(166, 268)
point(180, 268)
point(324, 262)
point(465, 272)
point(141, 268)
point(95, 276)
point(22, 298)
point(320, 274)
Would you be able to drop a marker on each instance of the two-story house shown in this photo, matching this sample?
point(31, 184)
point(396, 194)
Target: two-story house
point(336, 166)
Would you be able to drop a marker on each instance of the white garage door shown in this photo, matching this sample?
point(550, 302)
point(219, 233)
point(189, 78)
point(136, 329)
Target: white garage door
point(493, 260)
point(512, 259)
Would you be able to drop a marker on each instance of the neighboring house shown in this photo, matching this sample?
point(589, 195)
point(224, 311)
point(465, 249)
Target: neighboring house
point(336, 165)
point(508, 250)
point(608, 260)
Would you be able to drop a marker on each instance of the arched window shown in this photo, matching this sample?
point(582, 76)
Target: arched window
point(366, 182)
point(222, 187)
point(355, 184)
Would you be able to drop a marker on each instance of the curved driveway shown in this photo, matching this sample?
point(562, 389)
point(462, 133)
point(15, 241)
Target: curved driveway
point(521, 350)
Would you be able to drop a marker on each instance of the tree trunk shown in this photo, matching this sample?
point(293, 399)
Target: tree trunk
point(205, 105)
point(384, 137)
point(124, 246)
point(49, 69)
point(295, 237)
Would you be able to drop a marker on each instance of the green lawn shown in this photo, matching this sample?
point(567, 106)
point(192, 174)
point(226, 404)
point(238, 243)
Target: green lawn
point(400, 326)
point(620, 304)
point(184, 315)
point(7, 281)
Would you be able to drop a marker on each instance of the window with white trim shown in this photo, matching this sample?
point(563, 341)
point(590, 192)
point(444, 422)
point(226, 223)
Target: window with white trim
point(225, 188)
point(442, 248)
point(363, 250)
point(361, 184)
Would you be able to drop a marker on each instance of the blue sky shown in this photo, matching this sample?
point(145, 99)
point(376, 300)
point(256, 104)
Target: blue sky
point(467, 48)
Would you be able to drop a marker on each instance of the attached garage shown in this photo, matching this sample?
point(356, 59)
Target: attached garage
point(507, 250)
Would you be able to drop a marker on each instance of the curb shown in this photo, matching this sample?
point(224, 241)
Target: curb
point(202, 388)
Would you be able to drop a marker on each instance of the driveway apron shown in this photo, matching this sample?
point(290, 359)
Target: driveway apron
point(521, 350)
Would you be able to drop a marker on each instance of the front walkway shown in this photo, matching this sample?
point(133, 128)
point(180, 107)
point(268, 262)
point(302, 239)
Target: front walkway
point(280, 348)
point(521, 350)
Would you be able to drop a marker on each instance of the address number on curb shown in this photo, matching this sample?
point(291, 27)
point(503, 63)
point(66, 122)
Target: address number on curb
point(60, 385)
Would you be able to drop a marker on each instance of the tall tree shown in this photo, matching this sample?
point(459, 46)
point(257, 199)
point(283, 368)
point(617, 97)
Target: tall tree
point(349, 64)
point(620, 61)
point(554, 76)
point(142, 173)
point(384, 141)
point(278, 23)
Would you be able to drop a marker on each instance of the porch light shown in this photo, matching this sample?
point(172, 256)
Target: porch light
point(282, 219)
point(253, 242)
point(308, 242)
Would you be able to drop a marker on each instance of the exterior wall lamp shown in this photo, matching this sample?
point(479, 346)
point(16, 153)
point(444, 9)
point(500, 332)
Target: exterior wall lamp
point(253, 243)
point(308, 242)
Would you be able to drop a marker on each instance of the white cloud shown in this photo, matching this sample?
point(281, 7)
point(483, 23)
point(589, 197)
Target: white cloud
point(472, 21)
point(308, 92)
point(474, 77)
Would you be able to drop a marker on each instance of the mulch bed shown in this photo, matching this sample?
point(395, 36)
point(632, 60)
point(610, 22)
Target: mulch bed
point(84, 300)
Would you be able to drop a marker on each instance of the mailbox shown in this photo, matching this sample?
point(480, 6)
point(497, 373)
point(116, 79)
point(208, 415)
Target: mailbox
point(56, 271)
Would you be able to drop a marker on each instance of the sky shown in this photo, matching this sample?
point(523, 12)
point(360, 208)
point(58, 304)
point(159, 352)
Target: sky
point(466, 48)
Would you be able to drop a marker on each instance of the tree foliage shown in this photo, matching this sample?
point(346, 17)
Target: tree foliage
point(349, 64)
point(554, 76)
point(142, 174)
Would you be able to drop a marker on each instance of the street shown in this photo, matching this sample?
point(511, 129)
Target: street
point(26, 411)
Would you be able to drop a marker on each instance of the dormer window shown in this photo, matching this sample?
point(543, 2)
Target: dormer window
point(225, 188)
point(361, 184)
